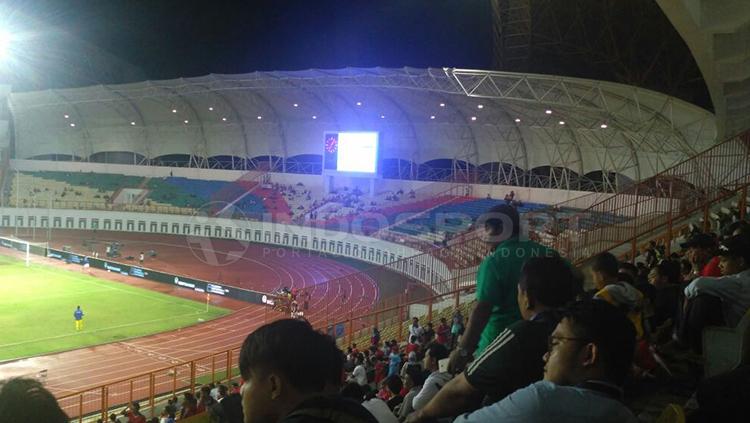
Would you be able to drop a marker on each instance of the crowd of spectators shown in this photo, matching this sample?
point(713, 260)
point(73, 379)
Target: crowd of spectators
point(537, 346)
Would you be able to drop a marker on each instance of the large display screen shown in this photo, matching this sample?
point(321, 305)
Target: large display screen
point(352, 152)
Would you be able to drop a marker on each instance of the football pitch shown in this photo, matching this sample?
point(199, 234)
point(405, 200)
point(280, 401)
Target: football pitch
point(37, 304)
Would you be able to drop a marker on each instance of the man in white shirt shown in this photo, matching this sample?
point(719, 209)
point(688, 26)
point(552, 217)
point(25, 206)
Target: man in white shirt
point(415, 331)
point(733, 287)
point(436, 380)
point(359, 374)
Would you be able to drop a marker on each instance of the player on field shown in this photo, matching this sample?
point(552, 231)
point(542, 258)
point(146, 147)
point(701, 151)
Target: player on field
point(78, 316)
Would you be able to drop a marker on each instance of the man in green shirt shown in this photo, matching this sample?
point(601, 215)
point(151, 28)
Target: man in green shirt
point(497, 279)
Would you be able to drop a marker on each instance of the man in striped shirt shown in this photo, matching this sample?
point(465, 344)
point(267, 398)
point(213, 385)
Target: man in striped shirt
point(514, 359)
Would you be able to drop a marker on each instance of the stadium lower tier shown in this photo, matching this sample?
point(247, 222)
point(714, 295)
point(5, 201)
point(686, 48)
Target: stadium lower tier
point(255, 266)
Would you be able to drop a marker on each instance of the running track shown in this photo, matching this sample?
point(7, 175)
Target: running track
point(260, 267)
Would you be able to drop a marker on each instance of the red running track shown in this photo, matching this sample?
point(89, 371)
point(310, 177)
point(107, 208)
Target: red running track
point(258, 267)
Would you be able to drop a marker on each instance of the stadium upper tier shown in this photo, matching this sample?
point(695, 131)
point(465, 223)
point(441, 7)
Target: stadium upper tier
point(492, 127)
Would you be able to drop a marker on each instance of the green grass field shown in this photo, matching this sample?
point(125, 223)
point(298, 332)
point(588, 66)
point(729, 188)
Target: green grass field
point(37, 304)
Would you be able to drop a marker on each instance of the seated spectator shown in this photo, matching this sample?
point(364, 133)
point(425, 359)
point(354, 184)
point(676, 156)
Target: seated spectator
point(604, 272)
point(284, 384)
point(189, 406)
point(514, 360)
point(134, 413)
point(359, 374)
point(665, 278)
point(436, 380)
point(719, 301)
point(411, 362)
point(206, 401)
point(701, 252)
point(25, 400)
point(589, 356)
point(413, 382)
point(394, 386)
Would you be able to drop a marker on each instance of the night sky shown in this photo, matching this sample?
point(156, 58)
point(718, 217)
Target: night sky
point(84, 42)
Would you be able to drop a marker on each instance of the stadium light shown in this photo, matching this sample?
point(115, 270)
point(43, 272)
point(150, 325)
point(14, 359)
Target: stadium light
point(442, 104)
point(72, 125)
point(223, 119)
point(66, 116)
point(548, 111)
point(260, 117)
point(603, 126)
point(359, 103)
point(480, 106)
point(210, 109)
point(518, 120)
point(174, 110)
point(432, 117)
point(315, 117)
point(382, 116)
point(562, 122)
point(132, 123)
point(473, 118)
point(296, 105)
point(186, 121)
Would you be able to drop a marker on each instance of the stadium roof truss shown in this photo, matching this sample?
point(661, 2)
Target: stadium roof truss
point(507, 128)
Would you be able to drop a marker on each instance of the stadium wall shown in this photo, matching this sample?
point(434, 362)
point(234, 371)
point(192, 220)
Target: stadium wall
point(424, 268)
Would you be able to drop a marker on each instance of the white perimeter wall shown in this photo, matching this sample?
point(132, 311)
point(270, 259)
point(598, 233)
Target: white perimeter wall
point(422, 267)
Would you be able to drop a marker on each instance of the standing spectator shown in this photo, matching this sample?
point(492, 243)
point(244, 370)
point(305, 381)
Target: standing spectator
point(415, 330)
point(442, 332)
point(514, 360)
point(283, 385)
point(140, 258)
point(497, 278)
point(590, 355)
point(394, 362)
point(457, 327)
point(379, 366)
point(375, 339)
point(429, 334)
point(359, 374)
point(436, 380)
point(26, 401)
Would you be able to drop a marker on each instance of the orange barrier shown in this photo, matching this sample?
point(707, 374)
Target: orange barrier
point(657, 202)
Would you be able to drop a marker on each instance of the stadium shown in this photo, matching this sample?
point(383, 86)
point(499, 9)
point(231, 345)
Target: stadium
point(183, 214)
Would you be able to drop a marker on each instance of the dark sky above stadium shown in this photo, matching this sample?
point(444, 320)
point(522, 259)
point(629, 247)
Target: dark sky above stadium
point(68, 43)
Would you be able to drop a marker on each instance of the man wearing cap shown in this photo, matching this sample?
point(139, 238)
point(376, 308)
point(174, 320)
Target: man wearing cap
point(701, 253)
point(723, 300)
